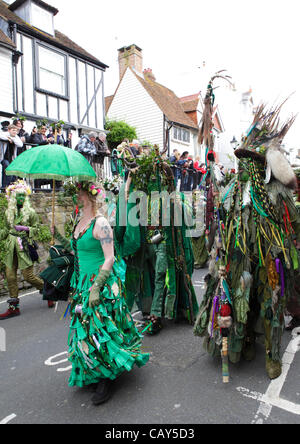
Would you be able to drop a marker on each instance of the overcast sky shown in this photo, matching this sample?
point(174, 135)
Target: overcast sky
point(256, 41)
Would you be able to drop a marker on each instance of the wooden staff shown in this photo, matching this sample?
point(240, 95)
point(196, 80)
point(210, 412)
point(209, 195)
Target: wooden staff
point(225, 313)
point(225, 365)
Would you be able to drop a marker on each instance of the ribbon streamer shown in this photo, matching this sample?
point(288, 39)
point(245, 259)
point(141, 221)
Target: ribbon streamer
point(215, 309)
point(66, 312)
point(279, 269)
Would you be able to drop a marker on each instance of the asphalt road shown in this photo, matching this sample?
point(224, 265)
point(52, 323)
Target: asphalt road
point(180, 385)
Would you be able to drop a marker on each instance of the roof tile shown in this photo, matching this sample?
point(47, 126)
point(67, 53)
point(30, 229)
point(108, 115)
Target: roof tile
point(6, 40)
point(167, 101)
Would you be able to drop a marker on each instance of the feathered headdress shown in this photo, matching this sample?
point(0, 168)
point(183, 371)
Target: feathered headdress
point(263, 144)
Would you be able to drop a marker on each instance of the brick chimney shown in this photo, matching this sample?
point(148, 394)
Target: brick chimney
point(130, 56)
point(148, 75)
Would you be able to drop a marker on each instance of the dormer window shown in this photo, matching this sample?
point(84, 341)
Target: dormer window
point(42, 19)
point(36, 13)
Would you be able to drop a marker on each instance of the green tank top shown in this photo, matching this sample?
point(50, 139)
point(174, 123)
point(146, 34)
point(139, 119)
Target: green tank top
point(89, 255)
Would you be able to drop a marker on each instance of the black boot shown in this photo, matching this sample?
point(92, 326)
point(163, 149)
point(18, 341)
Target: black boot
point(103, 392)
point(156, 326)
point(13, 309)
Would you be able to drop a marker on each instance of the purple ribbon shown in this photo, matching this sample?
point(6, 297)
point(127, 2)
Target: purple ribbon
point(215, 309)
point(279, 269)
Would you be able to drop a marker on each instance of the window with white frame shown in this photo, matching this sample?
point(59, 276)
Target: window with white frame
point(181, 134)
point(52, 71)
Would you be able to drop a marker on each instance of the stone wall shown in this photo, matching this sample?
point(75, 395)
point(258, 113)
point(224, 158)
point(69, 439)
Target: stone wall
point(42, 203)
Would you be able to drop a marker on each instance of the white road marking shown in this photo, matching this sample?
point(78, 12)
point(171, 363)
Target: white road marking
point(22, 296)
point(8, 419)
point(272, 396)
point(50, 362)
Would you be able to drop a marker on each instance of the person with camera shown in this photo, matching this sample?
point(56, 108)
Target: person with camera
point(19, 232)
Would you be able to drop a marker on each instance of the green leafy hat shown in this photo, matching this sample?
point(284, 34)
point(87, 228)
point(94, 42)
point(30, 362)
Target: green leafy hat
point(41, 123)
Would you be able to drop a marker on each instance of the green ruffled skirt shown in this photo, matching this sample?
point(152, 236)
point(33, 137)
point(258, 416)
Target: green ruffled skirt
point(103, 341)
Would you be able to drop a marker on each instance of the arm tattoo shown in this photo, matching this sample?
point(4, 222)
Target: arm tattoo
point(105, 236)
point(106, 240)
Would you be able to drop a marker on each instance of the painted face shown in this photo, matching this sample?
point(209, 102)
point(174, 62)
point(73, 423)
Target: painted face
point(20, 198)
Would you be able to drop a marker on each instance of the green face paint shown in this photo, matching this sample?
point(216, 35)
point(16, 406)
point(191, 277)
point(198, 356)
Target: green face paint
point(20, 198)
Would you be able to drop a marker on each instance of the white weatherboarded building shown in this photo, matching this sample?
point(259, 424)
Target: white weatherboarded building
point(154, 110)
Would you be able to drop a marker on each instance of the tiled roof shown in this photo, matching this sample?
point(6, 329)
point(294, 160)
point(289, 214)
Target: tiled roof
point(59, 40)
point(191, 105)
point(167, 101)
point(69, 44)
point(4, 40)
point(108, 101)
point(191, 97)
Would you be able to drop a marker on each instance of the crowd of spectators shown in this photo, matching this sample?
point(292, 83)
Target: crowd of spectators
point(94, 148)
point(188, 172)
point(14, 140)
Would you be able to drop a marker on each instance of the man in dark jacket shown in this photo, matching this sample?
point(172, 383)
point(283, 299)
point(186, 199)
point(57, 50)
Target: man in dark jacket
point(38, 136)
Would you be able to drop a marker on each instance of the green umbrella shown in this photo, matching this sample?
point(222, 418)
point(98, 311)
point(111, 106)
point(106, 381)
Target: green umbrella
point(51, 162)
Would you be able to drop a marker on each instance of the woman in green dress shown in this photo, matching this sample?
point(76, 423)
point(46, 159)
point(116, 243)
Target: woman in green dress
point(103, 339)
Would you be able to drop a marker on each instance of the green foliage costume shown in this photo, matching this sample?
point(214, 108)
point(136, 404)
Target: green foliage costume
point(254, 261)
point(103, 340)
point(20, 229)
point(155, 270)
point(199, 238)
point(25, 216)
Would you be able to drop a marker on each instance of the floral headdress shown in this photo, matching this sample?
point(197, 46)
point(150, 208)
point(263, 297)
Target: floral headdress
point(93, 189)
point(19, 187)
point(71, 189)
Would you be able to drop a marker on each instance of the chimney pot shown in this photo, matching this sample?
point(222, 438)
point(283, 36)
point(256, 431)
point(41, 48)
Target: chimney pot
point(148, 75)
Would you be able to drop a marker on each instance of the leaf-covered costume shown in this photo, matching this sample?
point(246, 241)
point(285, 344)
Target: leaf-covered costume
point(198, 236)
point(254, 262)
point(18, 234)
point(16, 244)
point(174, 253)
point(103, 341)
